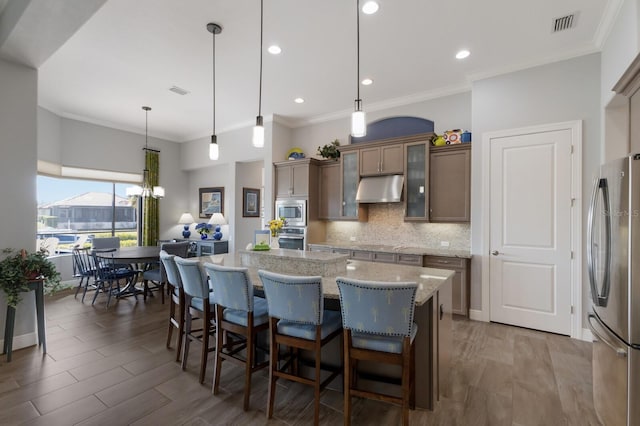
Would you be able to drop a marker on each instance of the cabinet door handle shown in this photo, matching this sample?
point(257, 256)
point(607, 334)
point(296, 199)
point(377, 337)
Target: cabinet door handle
point(441, 311)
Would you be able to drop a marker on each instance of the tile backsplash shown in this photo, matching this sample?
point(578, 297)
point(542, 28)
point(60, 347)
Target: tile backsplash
point(386, 226)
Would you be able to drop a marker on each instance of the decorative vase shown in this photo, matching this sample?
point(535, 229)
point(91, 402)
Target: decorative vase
point(275, 244)
point(186, 233)
point(203, 236)
point(217, 235)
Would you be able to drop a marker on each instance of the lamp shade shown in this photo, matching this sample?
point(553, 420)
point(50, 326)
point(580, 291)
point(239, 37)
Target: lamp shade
point(217, 219)
point(358, 124)
point(186, 218)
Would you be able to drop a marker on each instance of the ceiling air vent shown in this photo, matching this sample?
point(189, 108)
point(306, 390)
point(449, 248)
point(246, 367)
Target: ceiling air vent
point(178, 90)
point(564, 23)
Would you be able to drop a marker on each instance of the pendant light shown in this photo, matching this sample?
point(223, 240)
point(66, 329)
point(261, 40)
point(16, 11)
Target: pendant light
point(214, 152)
point(358, 118)
point(146, 190)
point(258, 130)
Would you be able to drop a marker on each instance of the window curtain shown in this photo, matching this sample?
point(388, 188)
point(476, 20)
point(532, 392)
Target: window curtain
point(150, 210)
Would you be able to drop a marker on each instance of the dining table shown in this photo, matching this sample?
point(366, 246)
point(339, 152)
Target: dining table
point(132, 256)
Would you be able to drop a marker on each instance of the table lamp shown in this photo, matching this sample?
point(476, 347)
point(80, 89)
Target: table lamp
point(217, 219)
point(186, 219)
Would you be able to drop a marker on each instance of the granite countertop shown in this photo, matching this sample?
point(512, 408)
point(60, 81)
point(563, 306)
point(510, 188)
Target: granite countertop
point(421, 251)
point(293, 255)
point(428, 279)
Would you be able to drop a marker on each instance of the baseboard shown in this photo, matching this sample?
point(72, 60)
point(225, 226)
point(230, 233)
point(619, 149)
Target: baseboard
point(23, 341)
point(476, 315)
point(586, 335)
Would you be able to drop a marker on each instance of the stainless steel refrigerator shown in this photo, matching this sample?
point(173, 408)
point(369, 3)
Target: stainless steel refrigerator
point(613, 256)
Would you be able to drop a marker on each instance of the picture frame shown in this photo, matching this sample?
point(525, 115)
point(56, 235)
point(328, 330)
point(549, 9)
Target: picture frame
point(250, 202)
point(211, 201)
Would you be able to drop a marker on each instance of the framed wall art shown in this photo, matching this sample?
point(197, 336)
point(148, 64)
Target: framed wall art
point(250, 202)
point(211, 201)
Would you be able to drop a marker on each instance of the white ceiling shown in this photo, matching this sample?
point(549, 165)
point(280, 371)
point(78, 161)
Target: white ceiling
point(129, 53)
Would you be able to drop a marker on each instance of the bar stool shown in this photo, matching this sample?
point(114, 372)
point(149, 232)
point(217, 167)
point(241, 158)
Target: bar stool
point(298, 320)
point(377, 318)
point(176, 300)
point(157, 276)
point(199, 301)
point(240, 313)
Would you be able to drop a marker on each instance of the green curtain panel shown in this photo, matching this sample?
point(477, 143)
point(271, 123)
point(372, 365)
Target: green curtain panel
point(151, 215)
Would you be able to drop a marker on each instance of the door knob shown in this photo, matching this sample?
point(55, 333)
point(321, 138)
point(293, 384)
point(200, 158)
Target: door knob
point(495, 252)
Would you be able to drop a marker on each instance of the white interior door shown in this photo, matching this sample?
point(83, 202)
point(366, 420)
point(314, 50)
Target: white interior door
point(530, 230)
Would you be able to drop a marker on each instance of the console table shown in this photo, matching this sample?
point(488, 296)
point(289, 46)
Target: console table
point(38, 287)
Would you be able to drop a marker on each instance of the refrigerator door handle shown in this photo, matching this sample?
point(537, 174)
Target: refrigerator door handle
point(595, 330)
point(599, 298)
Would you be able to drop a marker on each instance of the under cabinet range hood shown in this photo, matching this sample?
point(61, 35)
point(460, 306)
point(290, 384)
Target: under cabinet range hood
point(380, 189)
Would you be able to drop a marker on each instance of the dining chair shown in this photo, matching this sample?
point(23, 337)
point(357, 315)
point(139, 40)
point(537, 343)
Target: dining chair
point(298, 320)
point(50, 245)
point(377, 318)
point(154, 275)
point(84, 268)
point(176, 299)
point(198, 301)
point(238, 312)
point(110, 274)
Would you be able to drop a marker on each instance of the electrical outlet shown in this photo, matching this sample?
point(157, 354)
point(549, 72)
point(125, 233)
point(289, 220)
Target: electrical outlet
point(444, 243)
point(352, 238)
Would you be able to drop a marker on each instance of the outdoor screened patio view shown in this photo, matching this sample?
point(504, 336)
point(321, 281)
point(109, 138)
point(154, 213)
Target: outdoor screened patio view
point(75, 211)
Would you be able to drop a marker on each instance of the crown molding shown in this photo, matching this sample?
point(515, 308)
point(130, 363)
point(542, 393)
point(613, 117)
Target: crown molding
point(611, 11)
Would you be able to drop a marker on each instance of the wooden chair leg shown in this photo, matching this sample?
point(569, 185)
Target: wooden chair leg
point(406, 385)
point(346, 391)
point(273, 366)
point(162, 291)
point(248, 366)
point(412, 376)
point(180, 331)
point(316, 385)
point(206, 324)
point(218, 362)
point(172, 315)
point(187, 338)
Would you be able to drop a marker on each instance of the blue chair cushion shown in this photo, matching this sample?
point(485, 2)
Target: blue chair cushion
point(120, 273)
point(198, 303)
point(152, 275)
point(377, 342)
point(331, 321)
point(260, 313)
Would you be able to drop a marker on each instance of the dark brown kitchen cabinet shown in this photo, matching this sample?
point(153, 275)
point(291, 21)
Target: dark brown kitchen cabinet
point(460, 281)
point(292, 179)
point(450, 183)
point(382, 160)
point(330, 202)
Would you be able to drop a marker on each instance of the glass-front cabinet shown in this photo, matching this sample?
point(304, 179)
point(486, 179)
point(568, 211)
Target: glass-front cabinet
point(416, 187)
point(350, 180)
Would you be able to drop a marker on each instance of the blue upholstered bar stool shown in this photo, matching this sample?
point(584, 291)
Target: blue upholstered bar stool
point(176, 300)
point(240, 313)
point(378, 326)
point(199, 301)
point(298, 320)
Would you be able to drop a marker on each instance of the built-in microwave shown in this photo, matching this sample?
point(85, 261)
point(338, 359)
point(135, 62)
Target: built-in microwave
point(293, 211)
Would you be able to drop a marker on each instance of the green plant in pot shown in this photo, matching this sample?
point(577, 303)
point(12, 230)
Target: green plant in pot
point(330, 150)
point(18, 267)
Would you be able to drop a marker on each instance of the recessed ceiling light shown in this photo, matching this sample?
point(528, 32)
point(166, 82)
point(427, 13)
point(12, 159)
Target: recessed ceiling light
point(367, 82)
point(274, 49)
point(462, 54)
point(370, 7)
point(298, 100)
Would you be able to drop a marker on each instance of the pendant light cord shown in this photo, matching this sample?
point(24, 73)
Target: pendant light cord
point(213, 64)
point(358, 47)
point(261, 30)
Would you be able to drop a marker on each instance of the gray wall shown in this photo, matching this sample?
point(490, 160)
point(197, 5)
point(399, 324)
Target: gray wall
point(18, 141)
point(563, 91)
point(248, 175)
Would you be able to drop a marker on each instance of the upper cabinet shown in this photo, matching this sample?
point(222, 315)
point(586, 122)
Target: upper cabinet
point(292, 179)
point(351, 209)
point(382, 160)
point(450, 183)
point(330, 206)
point(416, 186)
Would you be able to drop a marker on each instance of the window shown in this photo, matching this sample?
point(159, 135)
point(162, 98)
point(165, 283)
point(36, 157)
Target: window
point(70, 207)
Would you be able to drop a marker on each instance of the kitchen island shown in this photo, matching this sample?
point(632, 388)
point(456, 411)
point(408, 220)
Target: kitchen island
point(432, 314)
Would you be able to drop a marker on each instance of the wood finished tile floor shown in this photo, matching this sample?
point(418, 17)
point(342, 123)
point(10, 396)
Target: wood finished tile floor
point(111, 367)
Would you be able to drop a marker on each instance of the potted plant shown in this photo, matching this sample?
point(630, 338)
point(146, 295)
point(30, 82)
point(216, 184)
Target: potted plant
point(17, 268)
point(330, 150)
